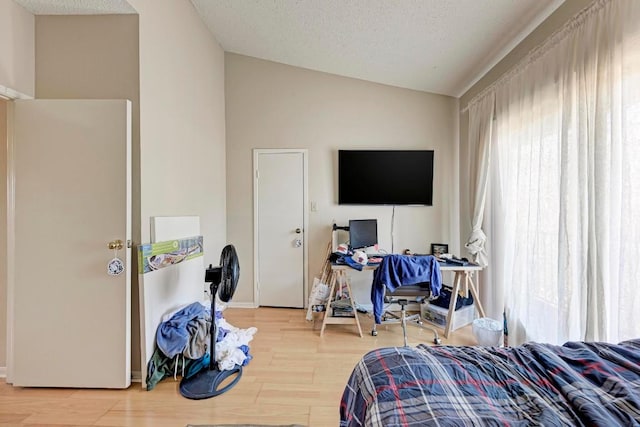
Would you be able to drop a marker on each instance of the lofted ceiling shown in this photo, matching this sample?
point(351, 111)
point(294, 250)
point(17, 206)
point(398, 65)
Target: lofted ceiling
point(438, 46)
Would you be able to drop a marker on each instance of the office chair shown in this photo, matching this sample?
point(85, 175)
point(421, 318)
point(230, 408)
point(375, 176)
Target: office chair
point(403, 296)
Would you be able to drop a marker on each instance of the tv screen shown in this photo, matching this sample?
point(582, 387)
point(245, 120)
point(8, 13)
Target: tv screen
point(385, 177)
point(363, 233)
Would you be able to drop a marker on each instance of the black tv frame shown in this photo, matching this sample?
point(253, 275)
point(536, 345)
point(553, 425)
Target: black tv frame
point(385, 177)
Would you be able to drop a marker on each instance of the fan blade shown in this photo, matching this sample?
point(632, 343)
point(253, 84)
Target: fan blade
point(230, 272)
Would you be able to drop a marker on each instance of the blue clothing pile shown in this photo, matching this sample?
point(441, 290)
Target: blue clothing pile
point(398, 270)
point(444, 300)
point(182, 344)
point(338, 258)
point(185, 334)
point(175, 335)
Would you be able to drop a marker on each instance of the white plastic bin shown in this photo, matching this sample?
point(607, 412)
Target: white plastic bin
point(487, 331)
point(438, 315)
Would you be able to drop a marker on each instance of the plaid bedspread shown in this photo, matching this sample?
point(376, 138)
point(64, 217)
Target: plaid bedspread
point(590, 384)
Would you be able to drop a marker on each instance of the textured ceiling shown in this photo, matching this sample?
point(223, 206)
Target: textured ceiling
point(439, 46)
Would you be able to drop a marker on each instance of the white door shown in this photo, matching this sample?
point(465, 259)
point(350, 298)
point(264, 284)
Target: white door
point(70, 321)
point(280, 189)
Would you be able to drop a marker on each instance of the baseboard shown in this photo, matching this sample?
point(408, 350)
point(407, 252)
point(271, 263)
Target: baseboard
point(241, 305)
point(136, 376)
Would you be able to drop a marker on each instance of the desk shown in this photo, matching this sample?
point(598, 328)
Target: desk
point(340, 272)
point(462, 282)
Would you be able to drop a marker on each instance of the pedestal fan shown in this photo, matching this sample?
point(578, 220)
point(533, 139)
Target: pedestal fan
point(207, 382)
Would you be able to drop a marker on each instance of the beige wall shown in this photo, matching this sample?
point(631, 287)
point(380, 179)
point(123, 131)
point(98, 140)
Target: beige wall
point(173, 71)
point(182, 125)
point(99, 61)
point(271, 105)
point(182, 128)
point(16, 48)
point(556, 20)
point(95, 57)
point(178, 155)
point(3, 235)
point(17, 57)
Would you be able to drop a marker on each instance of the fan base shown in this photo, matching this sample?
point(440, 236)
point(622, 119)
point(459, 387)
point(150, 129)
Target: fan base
point(205, 384)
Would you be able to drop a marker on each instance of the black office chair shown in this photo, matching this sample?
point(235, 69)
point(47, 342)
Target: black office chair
point(402, 296)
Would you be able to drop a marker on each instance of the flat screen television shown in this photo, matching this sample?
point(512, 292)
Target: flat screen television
point(363, 233)
point(385, 177)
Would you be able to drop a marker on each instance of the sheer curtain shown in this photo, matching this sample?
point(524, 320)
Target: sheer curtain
point(480, 118)
point(565, 170)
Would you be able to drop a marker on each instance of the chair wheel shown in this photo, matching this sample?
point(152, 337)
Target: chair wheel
point(374, 333)
point(437, 341)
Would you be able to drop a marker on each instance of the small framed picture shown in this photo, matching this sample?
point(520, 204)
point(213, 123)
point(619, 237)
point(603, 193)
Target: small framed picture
point(437, 249)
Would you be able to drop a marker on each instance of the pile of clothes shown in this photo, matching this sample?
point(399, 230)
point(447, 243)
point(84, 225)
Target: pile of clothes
point(182, 342)
point(354, 259)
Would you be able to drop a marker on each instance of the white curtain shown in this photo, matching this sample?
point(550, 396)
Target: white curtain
point(565, 176)
point(480, 117)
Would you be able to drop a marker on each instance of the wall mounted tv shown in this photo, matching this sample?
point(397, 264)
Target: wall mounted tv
point(385, 177)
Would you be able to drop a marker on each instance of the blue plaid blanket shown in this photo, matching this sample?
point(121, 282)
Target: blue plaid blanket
point(577, 384)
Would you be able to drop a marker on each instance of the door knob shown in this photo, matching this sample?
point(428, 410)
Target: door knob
point(298, 231)
point(116, 244)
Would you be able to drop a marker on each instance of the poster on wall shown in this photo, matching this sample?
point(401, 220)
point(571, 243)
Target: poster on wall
point(154, 256)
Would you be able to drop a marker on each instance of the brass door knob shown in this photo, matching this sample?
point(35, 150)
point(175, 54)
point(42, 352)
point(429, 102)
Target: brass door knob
point(116, 244)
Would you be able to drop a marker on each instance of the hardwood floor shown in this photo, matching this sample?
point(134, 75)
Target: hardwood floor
point(295, 377)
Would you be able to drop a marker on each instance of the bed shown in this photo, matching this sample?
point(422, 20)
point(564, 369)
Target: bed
point(534, 384)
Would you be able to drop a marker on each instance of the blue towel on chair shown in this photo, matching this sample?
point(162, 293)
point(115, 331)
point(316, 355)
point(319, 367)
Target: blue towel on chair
point(398, 270)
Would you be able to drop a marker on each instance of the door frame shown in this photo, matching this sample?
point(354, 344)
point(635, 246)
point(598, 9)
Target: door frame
point(305, 217)
point(10, 95)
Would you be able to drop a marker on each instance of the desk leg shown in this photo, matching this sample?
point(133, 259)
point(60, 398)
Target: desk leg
point(457, 279)
point(353, 304)
point(336, 282)
point(473, 287)
point(332, 288)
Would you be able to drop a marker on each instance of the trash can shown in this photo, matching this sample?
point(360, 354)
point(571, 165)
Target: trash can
point(488, 332)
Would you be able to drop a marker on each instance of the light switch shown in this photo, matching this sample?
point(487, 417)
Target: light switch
point(314, 206)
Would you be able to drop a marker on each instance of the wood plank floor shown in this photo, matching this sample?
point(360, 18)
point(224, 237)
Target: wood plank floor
point(295, 376)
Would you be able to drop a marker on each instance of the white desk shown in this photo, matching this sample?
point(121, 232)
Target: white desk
point(462, 282)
